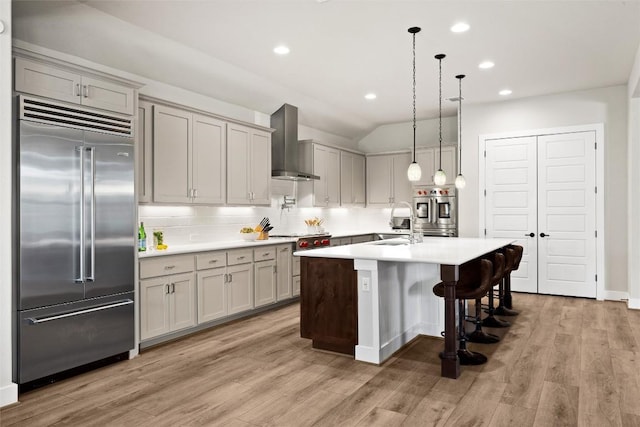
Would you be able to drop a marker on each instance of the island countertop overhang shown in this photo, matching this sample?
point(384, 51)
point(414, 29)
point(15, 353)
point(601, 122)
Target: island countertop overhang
point(433, 250)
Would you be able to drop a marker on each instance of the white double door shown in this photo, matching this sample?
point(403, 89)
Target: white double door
point(541, 191)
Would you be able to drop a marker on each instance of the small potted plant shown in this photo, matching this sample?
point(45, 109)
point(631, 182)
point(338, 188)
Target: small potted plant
point(158, 240)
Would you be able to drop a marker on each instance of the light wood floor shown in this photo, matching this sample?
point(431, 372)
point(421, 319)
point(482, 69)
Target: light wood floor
point(564, 361)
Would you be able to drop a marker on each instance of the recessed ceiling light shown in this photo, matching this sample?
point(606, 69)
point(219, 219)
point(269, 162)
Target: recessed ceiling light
point(460, 27)
point(281, 50)
point(485, 65)
point(505, 92)
point(370, 96)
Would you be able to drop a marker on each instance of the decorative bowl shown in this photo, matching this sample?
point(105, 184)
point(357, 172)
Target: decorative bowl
point(249, 237)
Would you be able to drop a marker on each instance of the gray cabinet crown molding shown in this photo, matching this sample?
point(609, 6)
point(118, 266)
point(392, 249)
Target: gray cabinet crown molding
point(167, 103)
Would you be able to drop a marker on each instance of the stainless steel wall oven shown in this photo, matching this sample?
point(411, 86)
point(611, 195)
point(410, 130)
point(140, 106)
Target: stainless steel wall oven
point(436, 210)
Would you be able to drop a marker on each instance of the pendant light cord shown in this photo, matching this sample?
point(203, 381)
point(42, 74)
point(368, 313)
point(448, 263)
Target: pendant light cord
point(414, 97)
point(460, 77)
point(440, 56)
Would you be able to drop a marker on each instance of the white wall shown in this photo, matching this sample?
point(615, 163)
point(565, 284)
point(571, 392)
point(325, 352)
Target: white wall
point(633, 93)
point(306, 132)
point(399, 136)
point(604, 105)
point(8, 390)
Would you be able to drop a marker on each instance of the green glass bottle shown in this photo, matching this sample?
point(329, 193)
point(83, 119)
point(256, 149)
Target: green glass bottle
point(142, 238)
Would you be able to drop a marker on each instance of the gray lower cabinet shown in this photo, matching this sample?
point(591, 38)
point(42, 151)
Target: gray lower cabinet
point(212, 294)
point(265, 282)
point(295, 280)
point(284, 272)
point(225, 283)
point(362, 238)
point(167, 304)
point(178, 292)
point(240, 288)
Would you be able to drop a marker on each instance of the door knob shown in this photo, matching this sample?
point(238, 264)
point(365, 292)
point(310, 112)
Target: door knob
point(530, 235)
point(544, 235)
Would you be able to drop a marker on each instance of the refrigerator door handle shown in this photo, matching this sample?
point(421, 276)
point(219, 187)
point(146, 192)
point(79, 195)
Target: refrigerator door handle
point(81, 277)
point(35, 320)
point(92, 220)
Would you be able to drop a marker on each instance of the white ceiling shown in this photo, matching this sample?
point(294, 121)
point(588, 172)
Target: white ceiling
point(343, 49)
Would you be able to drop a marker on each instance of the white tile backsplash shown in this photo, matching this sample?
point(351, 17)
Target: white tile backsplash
point(190, 224)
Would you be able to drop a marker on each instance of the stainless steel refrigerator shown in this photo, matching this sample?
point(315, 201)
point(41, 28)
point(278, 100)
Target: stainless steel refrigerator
point(76, 225)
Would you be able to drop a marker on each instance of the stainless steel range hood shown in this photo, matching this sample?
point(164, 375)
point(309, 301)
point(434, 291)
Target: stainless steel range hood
point(284, 146)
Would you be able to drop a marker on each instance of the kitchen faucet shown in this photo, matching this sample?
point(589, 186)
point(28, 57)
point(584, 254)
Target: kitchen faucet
point(412, 237)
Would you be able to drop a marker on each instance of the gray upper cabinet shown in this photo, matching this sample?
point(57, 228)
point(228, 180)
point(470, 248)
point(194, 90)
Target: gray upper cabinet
point(73, 86)
point(188, 157)
point(387, 181)
point(171, 159)
point(249, 166)
point(352, 179)
point(429, 161)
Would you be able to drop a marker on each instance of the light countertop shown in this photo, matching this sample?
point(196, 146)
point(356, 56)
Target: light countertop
point(239, 244)
point(214, 246)
point(433, 250)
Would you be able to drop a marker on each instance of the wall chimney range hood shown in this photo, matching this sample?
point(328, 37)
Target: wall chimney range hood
point(284, 146)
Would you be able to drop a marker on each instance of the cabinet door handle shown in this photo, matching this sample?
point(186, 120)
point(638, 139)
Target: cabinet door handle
point(530, 235)
point(168, 291)
point(173, 288)
point(213, 261)
point(544, 235)
point(240, 257)
point(195, 193)
point(78, 89)
point(224, 278)
point(169, 267)
point(230, 278)
point(266, 254)
point(86, 91)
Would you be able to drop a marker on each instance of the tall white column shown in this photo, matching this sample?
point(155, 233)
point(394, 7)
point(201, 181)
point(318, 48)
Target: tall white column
point(8, 390)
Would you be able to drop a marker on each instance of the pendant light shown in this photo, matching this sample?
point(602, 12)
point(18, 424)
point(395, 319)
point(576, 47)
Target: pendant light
point(460, 181)
point(414, 172)
point(440, 177)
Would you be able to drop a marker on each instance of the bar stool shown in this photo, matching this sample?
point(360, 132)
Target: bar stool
point(478, 335)
point(491, 321)
point(475, 279)
point(507, 282)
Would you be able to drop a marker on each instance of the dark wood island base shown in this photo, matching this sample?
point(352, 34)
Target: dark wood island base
point(329, 303)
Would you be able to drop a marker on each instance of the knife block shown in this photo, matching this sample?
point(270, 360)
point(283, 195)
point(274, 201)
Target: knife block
point(264, 235)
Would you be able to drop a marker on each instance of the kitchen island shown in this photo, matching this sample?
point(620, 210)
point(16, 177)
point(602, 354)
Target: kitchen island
point(377, 296)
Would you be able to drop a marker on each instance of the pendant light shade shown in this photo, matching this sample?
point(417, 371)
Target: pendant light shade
point(460, 181)
point(440, 178)
point(414, 172)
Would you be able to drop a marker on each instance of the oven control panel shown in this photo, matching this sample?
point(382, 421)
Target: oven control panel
point(313, 242)
point(433, 191)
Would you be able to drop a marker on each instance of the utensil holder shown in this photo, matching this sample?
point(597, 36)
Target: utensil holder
point(264, 235)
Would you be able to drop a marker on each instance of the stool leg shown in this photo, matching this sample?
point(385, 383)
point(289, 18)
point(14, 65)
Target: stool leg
point(478, 335)
point(508, 302)
point(501, 309)
point(467, 357)
point(491, 321)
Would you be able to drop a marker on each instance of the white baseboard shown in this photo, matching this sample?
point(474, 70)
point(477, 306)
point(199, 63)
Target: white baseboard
point(616, 295)
point(634, 303)
point(8, 394)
